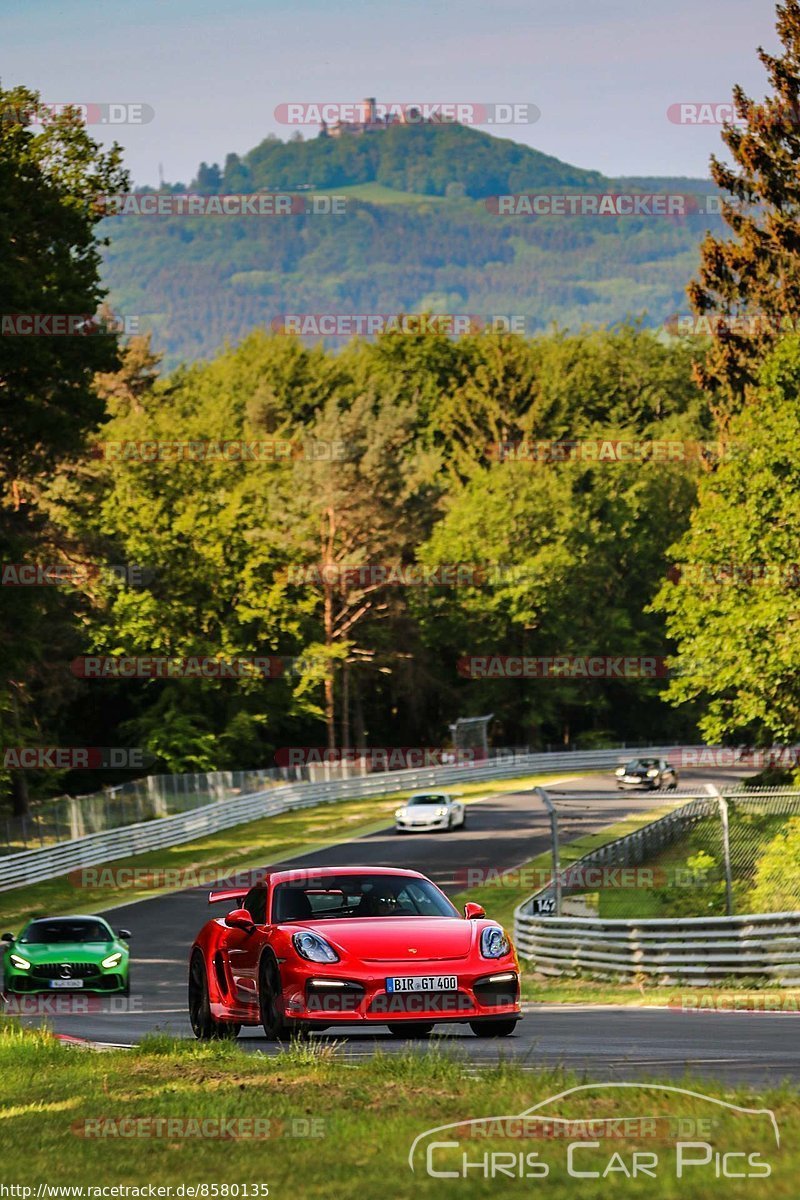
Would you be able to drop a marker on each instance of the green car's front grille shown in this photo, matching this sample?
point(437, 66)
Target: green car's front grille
point(66, 970)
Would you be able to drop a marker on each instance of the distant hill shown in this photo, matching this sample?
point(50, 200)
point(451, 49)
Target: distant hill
point(426, 159)
point(417, 235)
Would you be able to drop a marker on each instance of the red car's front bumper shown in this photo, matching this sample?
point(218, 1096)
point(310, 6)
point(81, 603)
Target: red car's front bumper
point(317, 995)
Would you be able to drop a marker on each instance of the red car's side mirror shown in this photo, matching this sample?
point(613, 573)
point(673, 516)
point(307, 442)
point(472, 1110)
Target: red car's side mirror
point(473, 911)
point(240, 918)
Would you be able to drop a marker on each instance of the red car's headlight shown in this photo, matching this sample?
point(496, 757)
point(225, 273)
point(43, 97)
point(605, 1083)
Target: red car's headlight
point(494, 943)
point(314, 948)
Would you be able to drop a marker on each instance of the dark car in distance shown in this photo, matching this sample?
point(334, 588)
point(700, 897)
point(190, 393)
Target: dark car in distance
point(650, 773)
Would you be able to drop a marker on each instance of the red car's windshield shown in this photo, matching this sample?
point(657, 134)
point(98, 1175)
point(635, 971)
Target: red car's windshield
point(358, 896)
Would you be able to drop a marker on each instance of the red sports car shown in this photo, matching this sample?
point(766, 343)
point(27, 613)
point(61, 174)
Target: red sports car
point(311, 948)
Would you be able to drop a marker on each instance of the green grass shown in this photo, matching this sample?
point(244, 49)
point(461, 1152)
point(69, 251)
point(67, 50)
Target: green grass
point(376, 193)
point(241, 848)
point(341, 1130)
point(582, 990)
point(750, 834)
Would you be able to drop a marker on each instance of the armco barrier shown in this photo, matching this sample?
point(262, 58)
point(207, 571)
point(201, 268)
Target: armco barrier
point(50, 861)
point(690, 950)
point(695, 950)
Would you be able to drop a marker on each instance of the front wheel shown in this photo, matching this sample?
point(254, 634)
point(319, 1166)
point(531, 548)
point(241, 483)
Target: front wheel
point(492, 1029)
point(203, 1024)
point(270, 1004)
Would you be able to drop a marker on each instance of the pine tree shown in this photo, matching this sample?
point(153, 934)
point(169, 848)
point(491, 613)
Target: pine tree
point(750, 283)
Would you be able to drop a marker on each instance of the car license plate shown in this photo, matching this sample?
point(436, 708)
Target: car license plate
point(66, 983)
point(422, 983)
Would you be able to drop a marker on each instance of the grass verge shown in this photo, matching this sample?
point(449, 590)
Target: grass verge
point(328, 1128)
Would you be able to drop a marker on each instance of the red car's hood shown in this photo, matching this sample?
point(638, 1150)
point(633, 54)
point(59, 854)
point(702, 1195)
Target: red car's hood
point(385, 939)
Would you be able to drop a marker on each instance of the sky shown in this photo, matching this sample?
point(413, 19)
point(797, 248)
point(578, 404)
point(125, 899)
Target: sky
point(602, 73)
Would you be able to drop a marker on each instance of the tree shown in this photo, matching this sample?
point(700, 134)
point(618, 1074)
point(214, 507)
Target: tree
point(755, 274)
point(733, 608)
point(209, 178)
point(365, 507)
point(573, 553)
point(49, 264)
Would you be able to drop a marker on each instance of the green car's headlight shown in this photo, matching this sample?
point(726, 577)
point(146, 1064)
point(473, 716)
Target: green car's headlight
point(20, 963)
point(113, 960)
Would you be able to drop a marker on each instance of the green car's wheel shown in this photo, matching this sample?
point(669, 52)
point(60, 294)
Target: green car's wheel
point(203, 1024)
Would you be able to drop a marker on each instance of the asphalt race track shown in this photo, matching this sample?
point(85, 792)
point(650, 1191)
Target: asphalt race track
point(503, 831)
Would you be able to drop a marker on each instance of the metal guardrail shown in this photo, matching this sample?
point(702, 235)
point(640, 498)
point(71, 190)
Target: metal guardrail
point(694, 950)
point(66, 818)
point(689, 950)
point(48, 862)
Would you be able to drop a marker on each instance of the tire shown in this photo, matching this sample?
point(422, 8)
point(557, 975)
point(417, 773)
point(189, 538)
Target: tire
point(204, 1027)
point(274, 1023)
point(411, 1029)
point(502, 1027)
point(463, 824)
point(126, 991)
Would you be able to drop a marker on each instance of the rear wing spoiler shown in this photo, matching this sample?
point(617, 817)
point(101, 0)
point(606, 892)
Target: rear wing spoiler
point(220, 894)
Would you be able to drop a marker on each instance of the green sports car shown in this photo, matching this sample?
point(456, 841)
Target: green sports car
point(67, 954)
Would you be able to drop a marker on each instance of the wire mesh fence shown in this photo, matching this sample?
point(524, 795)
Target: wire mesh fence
point(155, 796)
point(685, 866)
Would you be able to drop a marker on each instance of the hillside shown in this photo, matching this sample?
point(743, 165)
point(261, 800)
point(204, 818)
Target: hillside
point(416, 236)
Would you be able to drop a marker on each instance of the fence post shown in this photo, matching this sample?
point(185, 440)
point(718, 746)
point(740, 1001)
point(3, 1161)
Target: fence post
point(547, 802)
point(726, 845)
